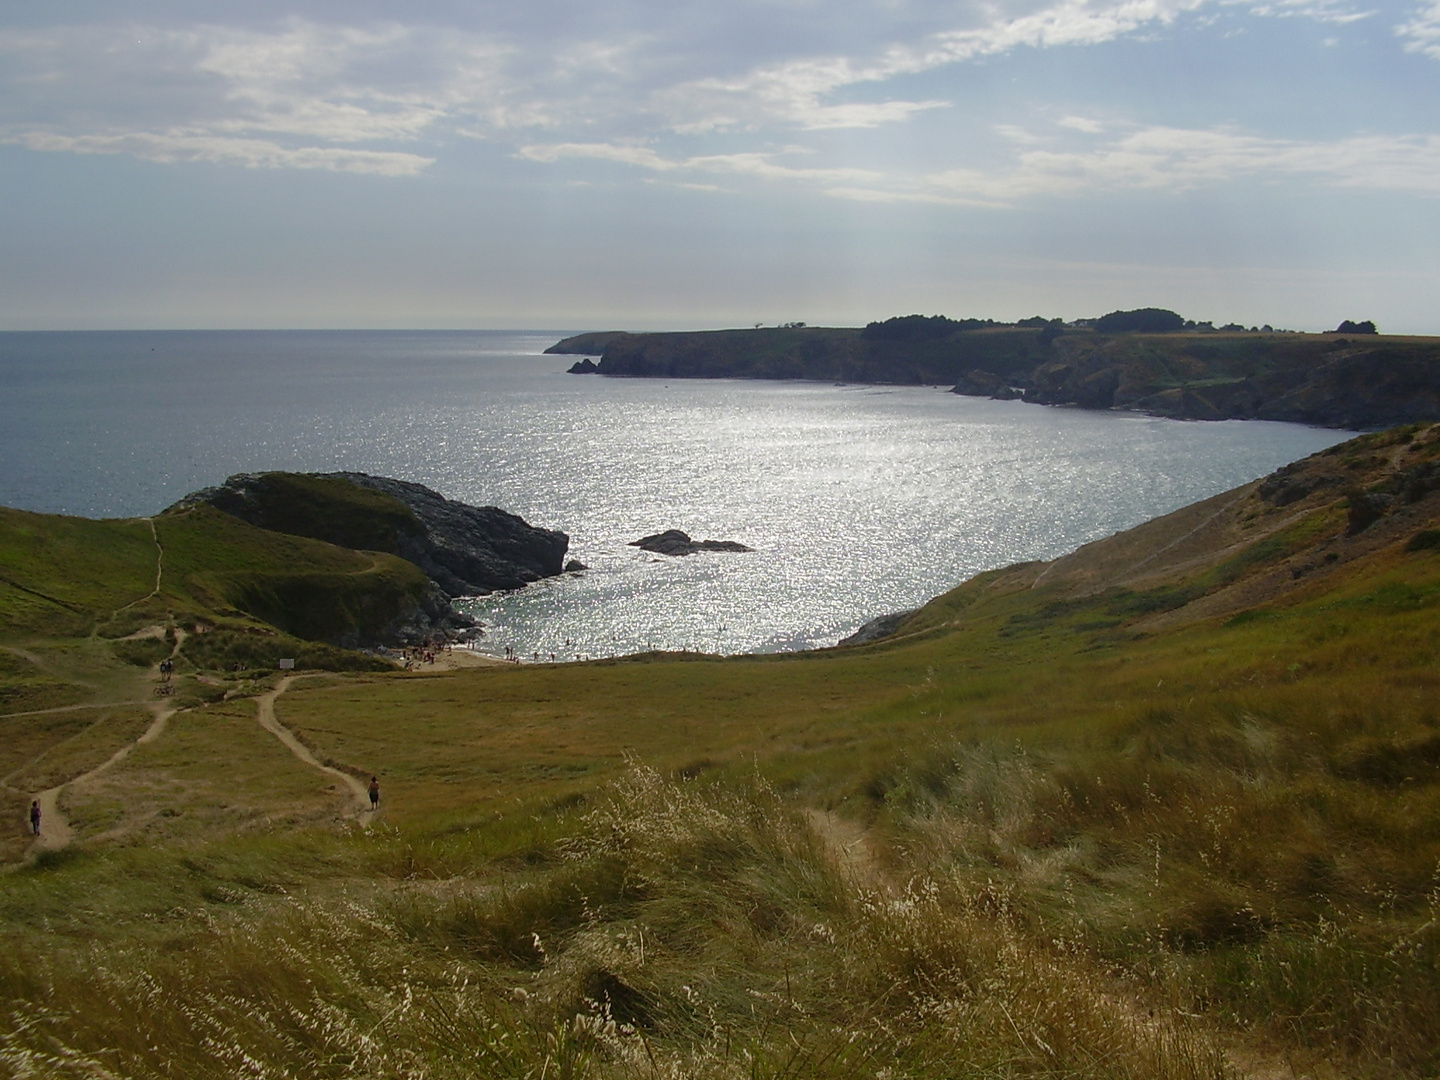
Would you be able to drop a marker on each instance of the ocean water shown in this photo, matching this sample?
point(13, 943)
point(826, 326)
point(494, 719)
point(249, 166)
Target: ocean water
point(858, 500)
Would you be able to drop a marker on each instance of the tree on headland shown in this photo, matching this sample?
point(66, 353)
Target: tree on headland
point(1143, 320)
point(1348, 327)
point(920, 328)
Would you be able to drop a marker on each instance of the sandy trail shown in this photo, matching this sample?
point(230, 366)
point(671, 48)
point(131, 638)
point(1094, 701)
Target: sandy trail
point(848, 844)
point(55, 830)
point(265, 713)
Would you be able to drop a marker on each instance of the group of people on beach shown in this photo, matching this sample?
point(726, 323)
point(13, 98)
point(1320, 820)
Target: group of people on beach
point(415, 655)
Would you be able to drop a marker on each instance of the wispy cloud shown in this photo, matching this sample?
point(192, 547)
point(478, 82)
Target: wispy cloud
point(171, 147)
point(387, 97)
point(1179, 159)
point(760, 165)
point(1150, 158)
point(1422, 31)
point(303, 96)
point(796, 92)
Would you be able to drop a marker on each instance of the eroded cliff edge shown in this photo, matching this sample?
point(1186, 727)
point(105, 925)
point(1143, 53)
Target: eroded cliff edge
point(1329, 380)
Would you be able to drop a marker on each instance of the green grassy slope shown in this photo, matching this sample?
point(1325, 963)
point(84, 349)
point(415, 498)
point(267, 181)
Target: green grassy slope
point(325, 508)
point(1166, 807)
point(69, 576)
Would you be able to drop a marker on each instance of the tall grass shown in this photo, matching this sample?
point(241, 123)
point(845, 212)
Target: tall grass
point(680, 930)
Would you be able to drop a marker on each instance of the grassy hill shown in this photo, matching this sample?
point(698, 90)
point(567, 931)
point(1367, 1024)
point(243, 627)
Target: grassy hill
point(1166, 807)
point(244, 594)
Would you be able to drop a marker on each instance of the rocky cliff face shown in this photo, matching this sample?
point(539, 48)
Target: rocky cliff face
point(1324, 379)
point(463, 550)
point(469, 550)
point(1306, 379)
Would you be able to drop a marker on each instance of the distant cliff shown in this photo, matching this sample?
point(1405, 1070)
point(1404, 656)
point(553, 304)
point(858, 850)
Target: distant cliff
point(592, 344)
point(1361, 381)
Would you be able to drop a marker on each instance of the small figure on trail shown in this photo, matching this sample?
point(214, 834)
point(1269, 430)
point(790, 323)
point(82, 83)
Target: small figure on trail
point(35, 816)
point(374, 793)
point(166, 667)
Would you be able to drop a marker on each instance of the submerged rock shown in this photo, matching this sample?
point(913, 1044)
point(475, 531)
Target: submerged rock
point(675, 542)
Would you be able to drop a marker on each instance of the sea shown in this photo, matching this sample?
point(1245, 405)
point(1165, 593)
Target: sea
point(857, 500)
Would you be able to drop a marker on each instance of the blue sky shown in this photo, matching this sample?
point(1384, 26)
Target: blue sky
point(679, 164)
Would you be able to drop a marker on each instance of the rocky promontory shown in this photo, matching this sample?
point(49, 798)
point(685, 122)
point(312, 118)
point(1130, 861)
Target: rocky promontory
point(1362, 380)
point(592, 344)
point(466, 550)
point(675, 542)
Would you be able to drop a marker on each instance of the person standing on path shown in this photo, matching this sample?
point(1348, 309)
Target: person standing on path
point(374, 793)
point(35, 817)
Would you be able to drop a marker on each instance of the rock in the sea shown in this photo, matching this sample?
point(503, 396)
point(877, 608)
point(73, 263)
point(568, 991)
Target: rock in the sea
point(574, 566)
point(978, 383)
point(675, 542)
point(583, 367)
point(465, 550)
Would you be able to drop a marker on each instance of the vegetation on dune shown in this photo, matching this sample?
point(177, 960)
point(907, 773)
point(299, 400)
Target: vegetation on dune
point(1166, 807)
point(676, 930)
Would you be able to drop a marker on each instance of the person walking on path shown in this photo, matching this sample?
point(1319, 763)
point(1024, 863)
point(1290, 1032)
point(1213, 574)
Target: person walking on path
point(35, 816)
point(374, 793)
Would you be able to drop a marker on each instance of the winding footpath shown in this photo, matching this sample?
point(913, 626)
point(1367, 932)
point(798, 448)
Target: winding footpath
point(55, 830)
point(265, 713)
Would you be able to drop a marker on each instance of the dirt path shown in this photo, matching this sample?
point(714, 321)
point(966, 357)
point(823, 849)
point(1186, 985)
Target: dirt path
point(360, 794)
point(76, 708)
point(849, 844)
point(55, 830)
point(159, 570)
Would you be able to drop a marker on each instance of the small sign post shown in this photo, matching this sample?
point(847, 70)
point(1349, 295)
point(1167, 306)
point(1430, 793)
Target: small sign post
point(287, 665)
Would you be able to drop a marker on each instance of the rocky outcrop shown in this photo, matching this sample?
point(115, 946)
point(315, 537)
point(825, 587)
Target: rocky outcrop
point(470, 550)
point(465, 550)
point(978, 383)
point(675, 542)
point(583, 367)
point(880, 627)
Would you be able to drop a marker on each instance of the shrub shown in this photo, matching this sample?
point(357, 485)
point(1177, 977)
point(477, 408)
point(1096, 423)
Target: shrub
point(1141, 320)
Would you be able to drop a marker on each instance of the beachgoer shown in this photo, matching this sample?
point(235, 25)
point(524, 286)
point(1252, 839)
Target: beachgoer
point(374, 793)
point(35, 816)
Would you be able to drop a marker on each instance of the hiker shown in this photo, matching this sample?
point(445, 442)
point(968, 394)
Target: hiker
point(35, 816)
point(374, 793)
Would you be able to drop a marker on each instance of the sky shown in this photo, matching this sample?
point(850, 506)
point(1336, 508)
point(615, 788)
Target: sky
point(686, 164)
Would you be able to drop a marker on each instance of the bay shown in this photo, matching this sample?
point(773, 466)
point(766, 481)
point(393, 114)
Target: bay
point(858, 500)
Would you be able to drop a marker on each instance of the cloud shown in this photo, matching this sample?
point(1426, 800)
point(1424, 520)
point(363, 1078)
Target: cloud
point(756, 164)
point(171, 147)
point(387, 97)
point(1151, 158)
point(1179, 159)
point(795, 92)
point(1422, 31)
point(301, 96)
